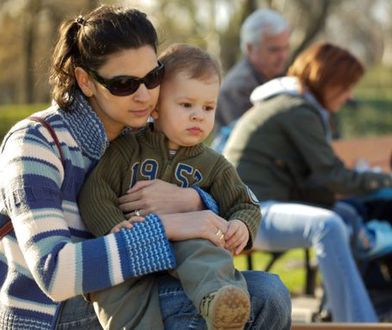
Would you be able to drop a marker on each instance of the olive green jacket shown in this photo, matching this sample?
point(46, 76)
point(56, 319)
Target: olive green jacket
point(279, 146)
point(145, 156)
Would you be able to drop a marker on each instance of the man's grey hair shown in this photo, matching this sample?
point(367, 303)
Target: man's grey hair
point(260, 21)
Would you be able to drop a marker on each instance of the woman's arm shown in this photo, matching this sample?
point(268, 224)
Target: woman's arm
point(157, 196)
point(47, 242)
point(178, 208)
point(190, 225)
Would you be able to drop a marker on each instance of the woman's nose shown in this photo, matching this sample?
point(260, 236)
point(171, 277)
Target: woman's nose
point(142, 94)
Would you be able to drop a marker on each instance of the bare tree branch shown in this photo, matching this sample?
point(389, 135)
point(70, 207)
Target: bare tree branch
point(315, 23)
point(31, 15)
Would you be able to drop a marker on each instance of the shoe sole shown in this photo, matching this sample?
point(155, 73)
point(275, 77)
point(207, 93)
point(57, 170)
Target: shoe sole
point(231, 309)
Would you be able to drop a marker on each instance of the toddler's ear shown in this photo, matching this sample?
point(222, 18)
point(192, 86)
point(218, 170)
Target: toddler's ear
point(155, 114)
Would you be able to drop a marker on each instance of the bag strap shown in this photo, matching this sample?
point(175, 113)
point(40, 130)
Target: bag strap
point(52, 134)
point(7, 227)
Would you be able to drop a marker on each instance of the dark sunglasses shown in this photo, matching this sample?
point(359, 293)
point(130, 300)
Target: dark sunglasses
point(127, 85)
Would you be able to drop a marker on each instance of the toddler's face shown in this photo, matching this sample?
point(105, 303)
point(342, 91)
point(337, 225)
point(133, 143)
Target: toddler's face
point(186, 109)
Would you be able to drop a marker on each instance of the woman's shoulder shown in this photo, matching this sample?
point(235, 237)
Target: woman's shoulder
point(282, 107)
point(290, 108)
point(292, 102)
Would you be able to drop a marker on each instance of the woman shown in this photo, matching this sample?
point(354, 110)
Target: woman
point(281, 150)
point(105, 77)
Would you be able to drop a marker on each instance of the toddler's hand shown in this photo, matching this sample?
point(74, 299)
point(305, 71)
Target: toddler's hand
point(127, 223)
point(236, 236)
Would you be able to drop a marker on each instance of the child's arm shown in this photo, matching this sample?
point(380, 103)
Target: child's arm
point(98, 199)
point(237, 204)
point(157, 196)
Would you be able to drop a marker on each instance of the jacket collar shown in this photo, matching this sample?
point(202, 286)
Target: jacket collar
point(86, 127)
point(157, 140)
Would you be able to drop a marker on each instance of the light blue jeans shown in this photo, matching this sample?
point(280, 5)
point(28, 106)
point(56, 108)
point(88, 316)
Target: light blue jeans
point(271, 306)
point(289, 225)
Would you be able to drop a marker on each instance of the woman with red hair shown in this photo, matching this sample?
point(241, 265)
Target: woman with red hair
point(282, 151)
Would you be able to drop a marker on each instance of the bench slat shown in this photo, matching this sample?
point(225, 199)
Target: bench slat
point(376, 151)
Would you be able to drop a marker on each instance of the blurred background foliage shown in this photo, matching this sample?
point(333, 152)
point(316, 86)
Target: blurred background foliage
point(28, 30)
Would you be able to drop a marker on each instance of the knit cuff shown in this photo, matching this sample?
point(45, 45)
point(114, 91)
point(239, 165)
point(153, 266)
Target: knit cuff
point(208, 200)
point(148, 247)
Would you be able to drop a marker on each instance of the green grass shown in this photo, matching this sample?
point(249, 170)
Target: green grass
point(10, 114)
point(372, 115)
point(290, 267)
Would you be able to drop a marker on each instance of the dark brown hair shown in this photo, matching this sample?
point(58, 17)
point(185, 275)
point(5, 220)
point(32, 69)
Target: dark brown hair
point(191, 60)
point(88, 40)
point(324, 65)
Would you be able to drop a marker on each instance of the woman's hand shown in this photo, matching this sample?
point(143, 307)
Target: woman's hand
point(191, 225)
point(157, 196)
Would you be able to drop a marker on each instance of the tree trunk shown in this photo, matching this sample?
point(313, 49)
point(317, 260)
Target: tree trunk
point(31, 13)
point(316, 24)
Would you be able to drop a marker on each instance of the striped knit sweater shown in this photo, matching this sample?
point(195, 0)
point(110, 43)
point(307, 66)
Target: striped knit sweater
point(47, 258)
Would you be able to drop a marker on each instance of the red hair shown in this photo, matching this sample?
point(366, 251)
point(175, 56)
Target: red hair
point(324, 65)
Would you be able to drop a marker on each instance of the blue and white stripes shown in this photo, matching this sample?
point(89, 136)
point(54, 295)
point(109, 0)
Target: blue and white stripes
point(47, 258)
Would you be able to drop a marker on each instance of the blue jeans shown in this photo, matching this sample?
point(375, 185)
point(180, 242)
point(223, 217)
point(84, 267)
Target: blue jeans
point(288, 225)
point(76, 313)
point(270, 299)
point(271, 306)
point(354, 224)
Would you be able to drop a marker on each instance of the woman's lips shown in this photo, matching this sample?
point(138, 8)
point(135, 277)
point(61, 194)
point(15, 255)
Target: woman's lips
point(140, 113)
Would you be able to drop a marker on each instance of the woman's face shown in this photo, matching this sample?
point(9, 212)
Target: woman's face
point(336, 97)
point(118, 112)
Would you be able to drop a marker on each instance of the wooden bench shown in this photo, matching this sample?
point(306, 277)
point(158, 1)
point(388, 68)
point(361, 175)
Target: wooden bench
point(376, 151)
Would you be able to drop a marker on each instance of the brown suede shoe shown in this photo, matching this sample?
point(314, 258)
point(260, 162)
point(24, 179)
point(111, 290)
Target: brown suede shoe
point(227, 308)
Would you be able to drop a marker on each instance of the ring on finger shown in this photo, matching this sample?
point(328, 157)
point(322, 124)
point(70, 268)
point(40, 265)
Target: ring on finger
point(138, 213)
point(220, 234)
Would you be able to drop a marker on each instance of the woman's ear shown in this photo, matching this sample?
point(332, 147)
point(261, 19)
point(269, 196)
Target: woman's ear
point(84, 81)
point(155, 113)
